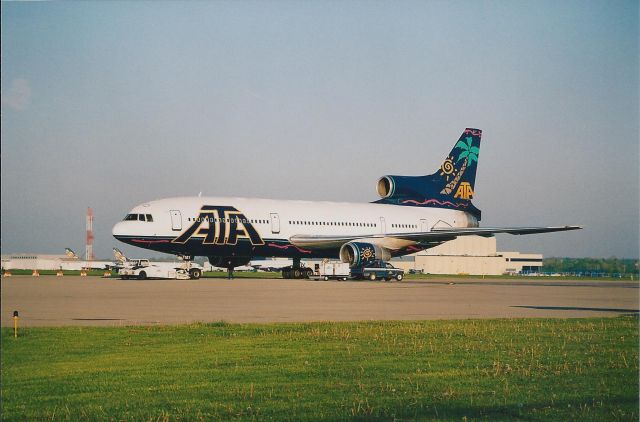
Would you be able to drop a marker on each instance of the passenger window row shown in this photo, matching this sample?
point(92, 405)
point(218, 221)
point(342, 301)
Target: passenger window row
point(404, 226)
point(331, 223)
point(227, 220)
point(149, 218)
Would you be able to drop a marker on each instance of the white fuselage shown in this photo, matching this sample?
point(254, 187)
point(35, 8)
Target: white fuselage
point(179, 227)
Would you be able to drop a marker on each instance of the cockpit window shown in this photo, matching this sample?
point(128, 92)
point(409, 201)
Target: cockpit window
point(139, 217)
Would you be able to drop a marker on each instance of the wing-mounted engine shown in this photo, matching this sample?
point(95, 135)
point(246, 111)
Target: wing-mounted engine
point(451, 186)
point(359, 253)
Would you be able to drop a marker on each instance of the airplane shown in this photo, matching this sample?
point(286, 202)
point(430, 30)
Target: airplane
point(120, 258)
point(413, 213)
point(70, 253)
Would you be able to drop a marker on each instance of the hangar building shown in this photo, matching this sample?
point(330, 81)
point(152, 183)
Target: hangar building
point(475, 255)
point(27, 261)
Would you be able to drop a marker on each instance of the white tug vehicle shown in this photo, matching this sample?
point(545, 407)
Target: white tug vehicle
point(143, 269)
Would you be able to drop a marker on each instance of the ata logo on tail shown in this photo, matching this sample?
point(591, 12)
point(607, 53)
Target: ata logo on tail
point(464, 191)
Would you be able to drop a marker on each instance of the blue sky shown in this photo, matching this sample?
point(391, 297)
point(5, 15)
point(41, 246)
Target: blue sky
point(109, 104)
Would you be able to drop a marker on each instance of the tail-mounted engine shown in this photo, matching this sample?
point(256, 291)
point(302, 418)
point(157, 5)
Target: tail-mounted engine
point(402, 186)
point(358, 253)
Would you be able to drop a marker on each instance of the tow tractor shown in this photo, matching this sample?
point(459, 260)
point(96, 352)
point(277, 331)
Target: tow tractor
point(142, 269)
point(377, 269)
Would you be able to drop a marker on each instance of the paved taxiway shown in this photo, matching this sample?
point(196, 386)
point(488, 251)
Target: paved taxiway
point(52, 301)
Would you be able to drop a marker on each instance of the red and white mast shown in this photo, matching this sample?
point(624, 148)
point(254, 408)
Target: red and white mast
point(89, 247)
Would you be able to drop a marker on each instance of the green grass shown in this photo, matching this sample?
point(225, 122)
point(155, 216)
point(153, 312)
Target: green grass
point(533, 369)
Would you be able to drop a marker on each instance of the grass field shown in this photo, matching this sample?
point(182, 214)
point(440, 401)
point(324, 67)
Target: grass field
point(529, 369)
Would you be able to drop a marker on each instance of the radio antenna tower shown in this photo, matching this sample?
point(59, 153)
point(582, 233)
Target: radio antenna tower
point(89, 248)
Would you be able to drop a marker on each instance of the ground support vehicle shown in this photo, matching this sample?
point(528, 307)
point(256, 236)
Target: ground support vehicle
point(142, 269)
point(331, 270)
point(374, 270)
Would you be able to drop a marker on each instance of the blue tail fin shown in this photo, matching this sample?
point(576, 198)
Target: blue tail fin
point(451, 186)
point(457, 174)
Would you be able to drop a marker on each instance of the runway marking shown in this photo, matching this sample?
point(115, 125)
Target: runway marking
point(577, 308)
point(97, 319)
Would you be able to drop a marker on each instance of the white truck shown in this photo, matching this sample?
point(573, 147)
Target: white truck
point(142, 269)
point(330, 270)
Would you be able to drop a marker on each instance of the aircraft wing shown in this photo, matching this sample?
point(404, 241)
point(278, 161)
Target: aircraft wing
point(425, 239)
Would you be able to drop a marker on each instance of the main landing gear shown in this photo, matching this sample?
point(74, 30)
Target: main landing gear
point(296, 270)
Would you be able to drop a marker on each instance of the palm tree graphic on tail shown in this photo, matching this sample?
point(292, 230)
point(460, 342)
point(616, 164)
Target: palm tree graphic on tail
point(469, 154)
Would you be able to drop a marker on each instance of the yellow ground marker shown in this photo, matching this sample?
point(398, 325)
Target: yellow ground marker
point(15, 324)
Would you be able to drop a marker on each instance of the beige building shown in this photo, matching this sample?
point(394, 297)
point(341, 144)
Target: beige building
point(473, 255)
point(26, 261)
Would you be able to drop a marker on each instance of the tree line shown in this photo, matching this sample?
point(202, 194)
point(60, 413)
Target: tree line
point(611, 265)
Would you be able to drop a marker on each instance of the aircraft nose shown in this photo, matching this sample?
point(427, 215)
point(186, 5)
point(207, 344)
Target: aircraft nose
point(118, 230)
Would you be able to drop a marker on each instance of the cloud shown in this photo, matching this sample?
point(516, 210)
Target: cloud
point(19, 95)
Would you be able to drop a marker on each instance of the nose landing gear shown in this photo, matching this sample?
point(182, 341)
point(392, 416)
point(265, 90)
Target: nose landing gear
point(194, 273)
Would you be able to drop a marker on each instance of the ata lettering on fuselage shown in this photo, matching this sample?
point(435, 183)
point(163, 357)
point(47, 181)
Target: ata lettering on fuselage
point(220, 225)
point(464, 191)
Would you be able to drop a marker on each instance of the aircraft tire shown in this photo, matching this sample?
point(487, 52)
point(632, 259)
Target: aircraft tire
point(142, 275)
point(372, 276)
point(399, 277)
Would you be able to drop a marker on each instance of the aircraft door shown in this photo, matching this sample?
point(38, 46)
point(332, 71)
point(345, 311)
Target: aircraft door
point(424, 225)
point(176, 220)
point(275, 223)
point(383, 225)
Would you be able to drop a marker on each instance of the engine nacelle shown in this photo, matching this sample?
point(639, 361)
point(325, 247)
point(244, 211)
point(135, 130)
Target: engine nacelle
point(401, 186)
point(358, 253)
point(223, 262)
